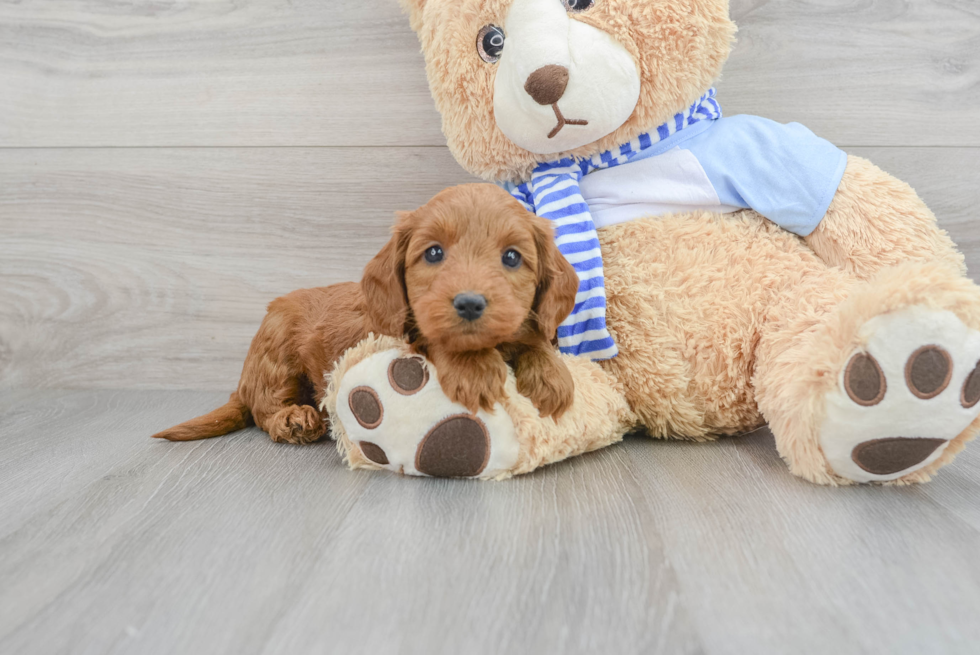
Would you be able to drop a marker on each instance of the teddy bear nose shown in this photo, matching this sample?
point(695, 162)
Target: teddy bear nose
point(547, 84)
point(469, 305)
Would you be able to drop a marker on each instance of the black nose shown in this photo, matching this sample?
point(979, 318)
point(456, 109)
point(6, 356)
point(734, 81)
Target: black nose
point(470, 306)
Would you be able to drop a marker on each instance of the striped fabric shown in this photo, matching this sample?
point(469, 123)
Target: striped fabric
point(553, 193)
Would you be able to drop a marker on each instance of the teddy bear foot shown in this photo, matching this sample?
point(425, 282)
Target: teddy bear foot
point(387, 411)
point(395, 416)
point(903, 399)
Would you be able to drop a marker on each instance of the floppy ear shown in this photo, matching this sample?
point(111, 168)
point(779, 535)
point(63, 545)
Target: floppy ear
point(414, 9)
point(383, 283)
point(557, 280)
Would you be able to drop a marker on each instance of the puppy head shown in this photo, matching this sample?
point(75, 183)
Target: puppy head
point(470, 269)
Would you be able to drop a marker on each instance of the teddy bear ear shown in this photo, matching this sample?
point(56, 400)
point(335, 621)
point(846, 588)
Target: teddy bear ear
point(414, 10)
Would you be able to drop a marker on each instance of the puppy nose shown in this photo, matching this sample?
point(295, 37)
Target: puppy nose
point(547, 84)
point(469, 306)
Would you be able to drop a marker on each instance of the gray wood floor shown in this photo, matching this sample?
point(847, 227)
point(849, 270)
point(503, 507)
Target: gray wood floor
point(113, 543)
point(168, 167)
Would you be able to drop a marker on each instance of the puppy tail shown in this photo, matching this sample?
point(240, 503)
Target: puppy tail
point(231, 416)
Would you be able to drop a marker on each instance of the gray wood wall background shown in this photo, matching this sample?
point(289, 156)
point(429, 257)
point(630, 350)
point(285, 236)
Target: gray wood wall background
point(168, 167)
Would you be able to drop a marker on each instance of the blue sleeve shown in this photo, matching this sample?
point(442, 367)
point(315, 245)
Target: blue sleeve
point(784, 172)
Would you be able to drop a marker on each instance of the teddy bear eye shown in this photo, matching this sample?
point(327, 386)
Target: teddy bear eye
point(578, 5)
point(490, 43)
point(434, 254)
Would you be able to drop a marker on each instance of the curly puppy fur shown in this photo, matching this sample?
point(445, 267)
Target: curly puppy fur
point(305, 332)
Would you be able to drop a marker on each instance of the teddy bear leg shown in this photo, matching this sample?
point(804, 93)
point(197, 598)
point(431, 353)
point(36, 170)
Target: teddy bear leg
point(876, 221)
point(388, 411)
point(884, 387)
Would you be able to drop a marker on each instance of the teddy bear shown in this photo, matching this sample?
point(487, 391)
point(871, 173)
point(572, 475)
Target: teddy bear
point(733, 271)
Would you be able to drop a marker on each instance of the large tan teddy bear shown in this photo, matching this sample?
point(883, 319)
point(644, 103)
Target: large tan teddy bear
point(734, 271)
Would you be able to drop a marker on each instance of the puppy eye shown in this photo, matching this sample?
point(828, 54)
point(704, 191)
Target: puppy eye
point(434, 255)
point(490, 43)
point(577, 5)
point(512, 259)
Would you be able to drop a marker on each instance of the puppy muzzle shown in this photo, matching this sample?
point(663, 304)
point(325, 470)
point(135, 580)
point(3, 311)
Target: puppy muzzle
point(469, 306)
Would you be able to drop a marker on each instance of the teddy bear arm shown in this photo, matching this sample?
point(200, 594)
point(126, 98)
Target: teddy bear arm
point(876, 221)
point(388, 410)
point(598, 417)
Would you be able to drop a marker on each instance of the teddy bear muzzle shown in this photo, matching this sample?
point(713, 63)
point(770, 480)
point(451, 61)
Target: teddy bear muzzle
point(539, 83)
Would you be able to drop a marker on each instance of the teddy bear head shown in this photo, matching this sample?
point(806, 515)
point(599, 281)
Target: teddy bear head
point(519, 82)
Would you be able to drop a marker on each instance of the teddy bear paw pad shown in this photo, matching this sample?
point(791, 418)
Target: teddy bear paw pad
point(903, 396)
point(394, 411)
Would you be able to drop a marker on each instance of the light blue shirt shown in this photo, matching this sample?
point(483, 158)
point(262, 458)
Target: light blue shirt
point(784, 172)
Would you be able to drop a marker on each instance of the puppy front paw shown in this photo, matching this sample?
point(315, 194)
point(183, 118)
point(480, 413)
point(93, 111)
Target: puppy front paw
point(474, 380)
point(546, 381)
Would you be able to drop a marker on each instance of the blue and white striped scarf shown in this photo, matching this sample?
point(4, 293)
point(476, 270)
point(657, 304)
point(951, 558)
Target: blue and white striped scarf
point(553, 193)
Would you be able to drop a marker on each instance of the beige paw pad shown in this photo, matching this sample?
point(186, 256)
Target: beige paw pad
point(903, 396)
point(393, 410)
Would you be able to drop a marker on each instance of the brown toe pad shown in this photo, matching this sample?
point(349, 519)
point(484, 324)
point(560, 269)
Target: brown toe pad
point(971, 388)
point(864, 381)
point(887, 456)
point(366, 407)
point(407, 375)
point(373, 452)
point(457, 447)
point(928, 371)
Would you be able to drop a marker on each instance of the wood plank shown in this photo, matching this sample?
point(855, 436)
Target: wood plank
point(347, 72)
point(564, 562)
point(205, 72)
point(858, 73)
point(239, 545)
point(235, 530)
point(112, 542)
point(151, 268)
point(777, 565)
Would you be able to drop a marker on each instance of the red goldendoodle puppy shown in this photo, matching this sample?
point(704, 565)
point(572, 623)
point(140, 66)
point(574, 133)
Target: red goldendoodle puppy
point(473, 279)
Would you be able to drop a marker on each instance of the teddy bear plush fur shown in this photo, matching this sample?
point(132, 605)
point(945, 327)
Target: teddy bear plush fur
point(858, 343)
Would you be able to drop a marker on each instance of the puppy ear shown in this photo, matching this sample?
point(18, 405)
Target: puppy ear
point(557, 280)
point(414, 9)
point(383, 283)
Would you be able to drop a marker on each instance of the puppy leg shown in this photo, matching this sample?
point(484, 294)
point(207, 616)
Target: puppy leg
point(278, 393)
point(284, 408)
point(472, 379)
point(544, 378)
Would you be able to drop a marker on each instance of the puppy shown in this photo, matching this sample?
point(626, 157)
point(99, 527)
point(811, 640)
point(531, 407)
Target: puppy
point(475, 282)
